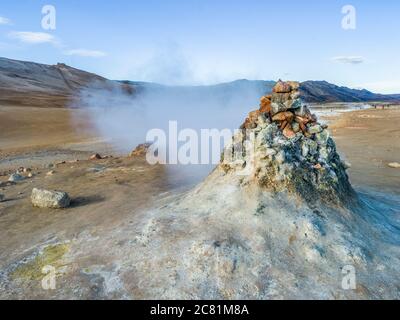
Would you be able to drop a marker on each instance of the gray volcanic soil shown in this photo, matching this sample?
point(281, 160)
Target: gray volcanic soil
point(134, 231)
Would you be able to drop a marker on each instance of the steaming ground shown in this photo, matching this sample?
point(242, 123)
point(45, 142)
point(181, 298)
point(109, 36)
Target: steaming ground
point(133, 210)
point(117, 117)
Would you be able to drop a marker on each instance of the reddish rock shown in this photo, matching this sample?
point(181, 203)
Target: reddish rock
point(250, 122)
point(282, 87)
point(301, 120)
point(317, 166)
point(283, 124)
point(282, 116)
point(265, 104)
point(288, 131)
point(140, 150)
point(294, 84)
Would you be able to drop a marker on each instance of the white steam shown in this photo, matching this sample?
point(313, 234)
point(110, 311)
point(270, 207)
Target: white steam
point(124, 118)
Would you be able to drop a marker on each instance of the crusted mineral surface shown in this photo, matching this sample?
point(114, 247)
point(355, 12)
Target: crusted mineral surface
point(282, 147)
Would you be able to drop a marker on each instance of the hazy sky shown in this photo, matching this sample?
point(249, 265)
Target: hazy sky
point(208, 41)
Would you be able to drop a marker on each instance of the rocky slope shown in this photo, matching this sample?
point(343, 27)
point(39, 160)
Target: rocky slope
point(322, 91)
point(278, 219)
point(34, 84)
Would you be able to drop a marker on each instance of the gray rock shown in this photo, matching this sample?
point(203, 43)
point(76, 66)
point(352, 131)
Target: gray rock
point(277, 107)
point(322, 137)
point(280, 97)
point(267, 135)
point(15, 177)
point(50, 199)
point(323, 153)
point(295, 104)
point(309, 147)
point(295, 127)
point(2, 197)
point(304, 150)
point(316, 128)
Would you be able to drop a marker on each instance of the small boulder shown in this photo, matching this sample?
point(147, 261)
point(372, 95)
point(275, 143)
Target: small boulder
point(322, 137)
point(295, 127)
point(140, 150)
point(95, 156)
point(265, 104)
point(288, 132)
point(277, 107)
point(15, 177)
point(394, 165)
point(282, 116)
point(316, 128)
point(282, 87)
point(2, 197)
point(50, 199)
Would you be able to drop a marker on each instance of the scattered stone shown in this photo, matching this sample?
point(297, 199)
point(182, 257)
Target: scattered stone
point(50, 199)
point(20, 170)
point(30, 175)
point(394, 165)
point(27, 170)
point(15, 177)
point(140, 150)
point(2, 197)
point(50, 173)
point(95, 156)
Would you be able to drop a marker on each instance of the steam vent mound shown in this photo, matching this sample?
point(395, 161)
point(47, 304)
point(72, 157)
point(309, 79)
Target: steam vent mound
point(277, 218)
point(289, 150)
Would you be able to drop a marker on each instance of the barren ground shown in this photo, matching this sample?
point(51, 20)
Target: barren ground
point(110, 193)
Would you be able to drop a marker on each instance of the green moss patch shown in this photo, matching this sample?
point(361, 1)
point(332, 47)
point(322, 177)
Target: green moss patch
point(32, 270)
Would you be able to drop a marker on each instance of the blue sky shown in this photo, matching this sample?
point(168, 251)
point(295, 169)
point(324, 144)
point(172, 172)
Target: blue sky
point(209, 41)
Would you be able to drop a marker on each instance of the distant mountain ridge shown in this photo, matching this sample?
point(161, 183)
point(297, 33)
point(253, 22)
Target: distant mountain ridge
point(35, 84)
point(323, 91)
